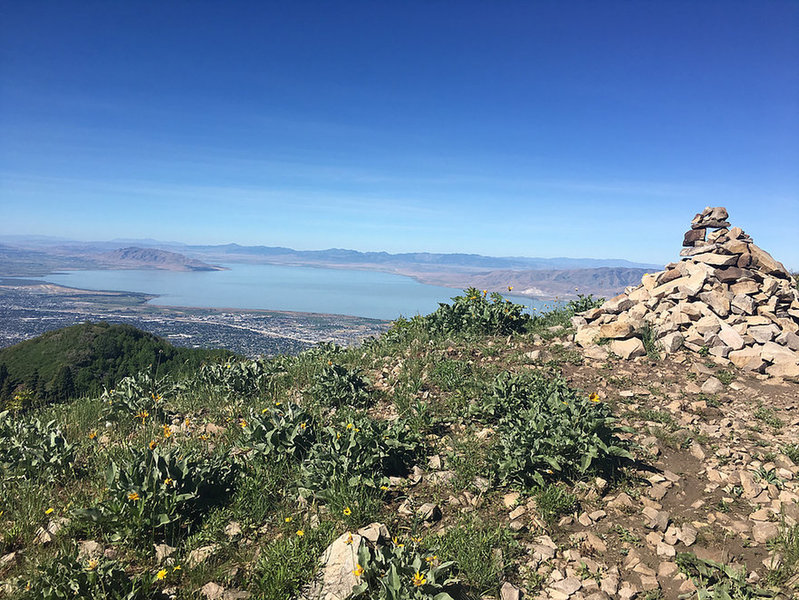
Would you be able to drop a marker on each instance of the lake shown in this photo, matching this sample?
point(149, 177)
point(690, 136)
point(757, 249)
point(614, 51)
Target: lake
point(270, 287)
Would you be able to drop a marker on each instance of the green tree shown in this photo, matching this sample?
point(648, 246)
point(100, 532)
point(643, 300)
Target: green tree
point(63, 387)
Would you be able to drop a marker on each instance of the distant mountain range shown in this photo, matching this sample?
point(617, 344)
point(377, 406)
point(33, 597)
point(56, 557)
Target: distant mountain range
point(539, 277)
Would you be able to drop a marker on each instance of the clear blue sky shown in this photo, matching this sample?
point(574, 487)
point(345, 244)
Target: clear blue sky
point(584, 129)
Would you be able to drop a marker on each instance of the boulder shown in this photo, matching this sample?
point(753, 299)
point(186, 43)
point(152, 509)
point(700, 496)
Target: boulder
point(628, 349)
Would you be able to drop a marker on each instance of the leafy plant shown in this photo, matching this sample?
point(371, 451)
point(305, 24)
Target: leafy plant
point(554, 501)
point(339, 386)
point(246, 377)
point(474, 313)
point(717, 581)
point(792, 452)
point(33, 449)
point(449, 374)
point(285, 430)
point(67, 578)
point(649, 339)
point(140, 396)
point(398, 572)
point(769, 417)
point(549, 431)
point(154, 494)
point(357, 451)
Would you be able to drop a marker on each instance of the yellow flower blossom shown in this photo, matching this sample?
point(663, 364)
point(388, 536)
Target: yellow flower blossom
point(347, 512)
point(300, 533)
point(49, 511)
point(288, 519)
point(142, 415)
point(431, 559)
point(510, 288)
point(594, 397)
point(92, 565)
point(133, 496)
point(167, 430)
point(418, 579)
point(169, 481)
point(242, 423)
point(176, 568)
point(161, 574)
point(349, 539)
point(358, 571)
point(397, 543)
point(92, 435)
point(153, 444)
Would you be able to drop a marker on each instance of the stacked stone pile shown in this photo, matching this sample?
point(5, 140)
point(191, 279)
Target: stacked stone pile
point(726, 295)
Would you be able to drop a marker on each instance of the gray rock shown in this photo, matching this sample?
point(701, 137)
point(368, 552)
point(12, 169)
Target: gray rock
point(509, 592)
point(429, 512)
point(712, 386)
point(335, 579)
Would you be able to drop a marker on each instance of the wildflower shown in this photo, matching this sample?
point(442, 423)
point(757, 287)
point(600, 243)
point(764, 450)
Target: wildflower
point(203, 437)
point(288, 519)
point(397, 542)
point(169, 481)
point(431, 559)
point(358, 571)
point(187, 422)
point(142, 415)
point(330, 363)
point(153, 444)
point(161, 574)
point(510, 288)
point(176, 568)
point(303, 425)
point(384, 487)
point(92, 435)
point(347, 512)
point(133, 496)
point(243, 423)
point(418, 579)
point(278, 403)
point(167, 430)
point(350, 425)
point(92, 565)
point(300, 533)
point(49, 511)
point(485, 292)
point(349, 539)
point(264, 410)
point(594, 397)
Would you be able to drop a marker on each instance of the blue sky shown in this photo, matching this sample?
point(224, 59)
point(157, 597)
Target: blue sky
point(583, 129)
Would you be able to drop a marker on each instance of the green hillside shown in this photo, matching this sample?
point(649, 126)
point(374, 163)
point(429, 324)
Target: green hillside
point(82, 359)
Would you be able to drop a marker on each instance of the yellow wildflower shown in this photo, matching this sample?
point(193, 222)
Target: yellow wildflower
point(264, 410)
point(349, 539)
point(594, 397)
point(161, 574)
point(347, 512)
point(288, 519)
point(142, 415)
point(153, 444)
point(243, 423)
point(397, 543)
point(358, 571)
point(92, 435)
point(300, 533)
point(167, 430)
point(49, 511)
point(176, 568)
point(133, 496)
point(303, 425)
point(350, 425)
point(92, 565)
point(384, 487)
point(510, 288)
point(418, 579)
point(431, 559)
point(169, 481)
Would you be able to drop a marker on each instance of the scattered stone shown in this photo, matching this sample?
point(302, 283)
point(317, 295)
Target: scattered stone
point(763, 532)
point(200, 555)
point(509, 592)
point(429, 512)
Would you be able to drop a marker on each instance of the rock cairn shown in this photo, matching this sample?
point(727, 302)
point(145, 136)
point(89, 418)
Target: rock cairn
point(726, 296)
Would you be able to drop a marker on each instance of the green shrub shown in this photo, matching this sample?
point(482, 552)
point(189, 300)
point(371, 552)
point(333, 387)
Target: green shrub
point(140, 396)
point(717, 581)
point(357, 451)
point(285, 430)
point(549, 431)
point(34, 450)
point(67, 578)
point(474, 314)
point(450, 375)
point(244, 377)
point(337, 385)
point(160, 495)
point(397, 572)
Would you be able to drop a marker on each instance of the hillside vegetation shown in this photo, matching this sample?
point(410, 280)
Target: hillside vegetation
point(84, 359)
point(472, 433)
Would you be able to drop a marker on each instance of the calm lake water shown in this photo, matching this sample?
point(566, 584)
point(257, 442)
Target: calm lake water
point(305, 289)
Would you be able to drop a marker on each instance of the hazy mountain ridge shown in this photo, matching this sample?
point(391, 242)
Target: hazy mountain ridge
point(531, 276)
